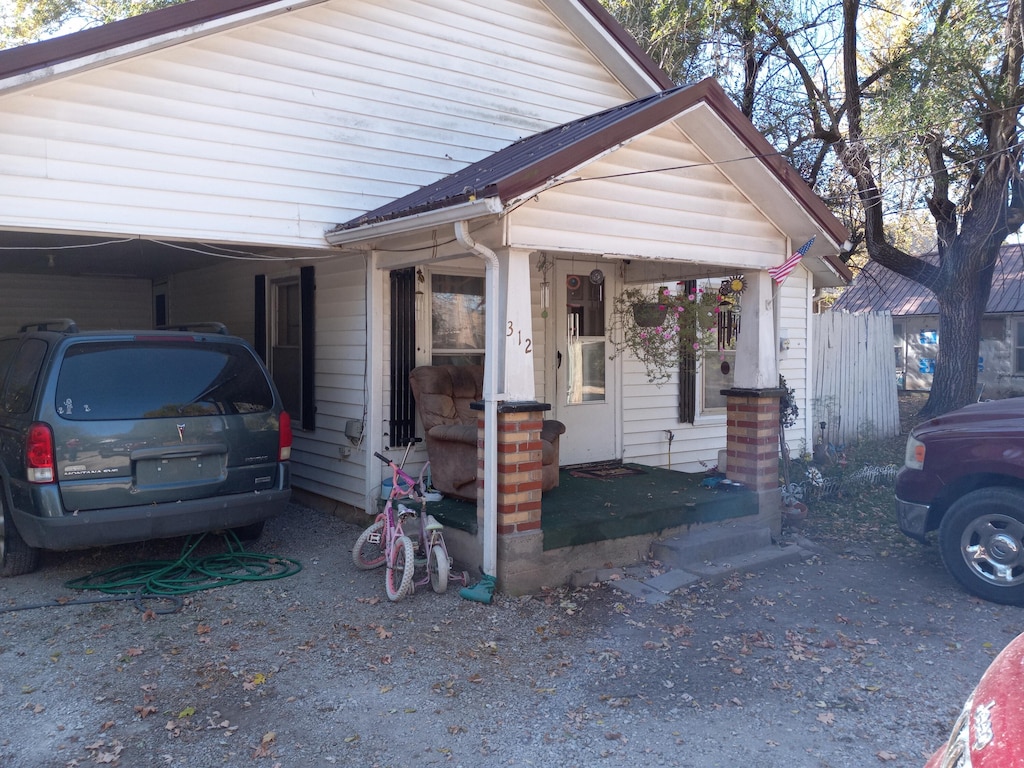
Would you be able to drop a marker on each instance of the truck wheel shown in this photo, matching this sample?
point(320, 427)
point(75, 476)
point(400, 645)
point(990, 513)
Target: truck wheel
point(16, 557)
point(981, 539)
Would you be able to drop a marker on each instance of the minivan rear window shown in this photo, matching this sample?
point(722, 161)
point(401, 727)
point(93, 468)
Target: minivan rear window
point(156, 379)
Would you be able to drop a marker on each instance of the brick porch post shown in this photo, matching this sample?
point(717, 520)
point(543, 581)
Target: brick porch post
point(520, 539)
point(752, 447)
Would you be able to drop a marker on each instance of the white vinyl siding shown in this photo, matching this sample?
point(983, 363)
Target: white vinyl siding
point(275, 131)
point(94, 303)
point(678, 208)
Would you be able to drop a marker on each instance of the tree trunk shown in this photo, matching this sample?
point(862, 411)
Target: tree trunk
point(962, 303)
point(956, 370)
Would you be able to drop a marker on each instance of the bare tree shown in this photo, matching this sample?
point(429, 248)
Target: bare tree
point(26, 21)
point(887, 111)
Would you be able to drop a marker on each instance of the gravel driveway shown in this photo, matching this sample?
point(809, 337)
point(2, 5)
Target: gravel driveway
point(849, 658)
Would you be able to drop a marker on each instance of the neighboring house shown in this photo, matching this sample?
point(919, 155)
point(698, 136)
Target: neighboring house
point(332, 178)
point(915, 324)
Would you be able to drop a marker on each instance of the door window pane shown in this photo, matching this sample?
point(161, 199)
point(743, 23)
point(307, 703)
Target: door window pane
point(457, 319)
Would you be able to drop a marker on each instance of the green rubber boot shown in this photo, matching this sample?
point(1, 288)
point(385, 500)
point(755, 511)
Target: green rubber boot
point(482, 591)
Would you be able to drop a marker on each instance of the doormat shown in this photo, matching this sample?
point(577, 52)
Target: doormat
point(606, 470)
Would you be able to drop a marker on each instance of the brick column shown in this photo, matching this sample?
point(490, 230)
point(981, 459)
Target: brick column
point(520, 538)
point(752, 447)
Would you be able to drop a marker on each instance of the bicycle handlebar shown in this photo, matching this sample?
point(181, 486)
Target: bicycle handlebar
point(383, 458)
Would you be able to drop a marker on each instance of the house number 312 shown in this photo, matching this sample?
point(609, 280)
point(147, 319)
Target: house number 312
point(528, 343)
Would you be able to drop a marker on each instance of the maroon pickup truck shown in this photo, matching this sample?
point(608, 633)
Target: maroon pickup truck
point(963, 475)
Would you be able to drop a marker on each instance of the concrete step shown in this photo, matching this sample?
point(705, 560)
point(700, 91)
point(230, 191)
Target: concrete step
point(712, 554)
point(712, 544)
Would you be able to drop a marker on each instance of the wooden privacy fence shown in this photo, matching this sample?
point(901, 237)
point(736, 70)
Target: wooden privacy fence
point(854, 377)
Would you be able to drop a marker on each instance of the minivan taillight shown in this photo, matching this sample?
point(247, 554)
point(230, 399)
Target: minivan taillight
point(39, 463)
point(284, 439)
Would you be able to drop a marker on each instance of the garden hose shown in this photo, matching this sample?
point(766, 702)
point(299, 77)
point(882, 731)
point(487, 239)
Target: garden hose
point(168, 580)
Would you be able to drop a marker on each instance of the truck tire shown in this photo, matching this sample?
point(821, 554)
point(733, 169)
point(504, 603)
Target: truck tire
point(981, 540)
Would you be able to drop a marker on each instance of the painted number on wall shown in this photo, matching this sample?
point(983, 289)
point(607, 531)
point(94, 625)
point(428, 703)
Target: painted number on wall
point(526, 344)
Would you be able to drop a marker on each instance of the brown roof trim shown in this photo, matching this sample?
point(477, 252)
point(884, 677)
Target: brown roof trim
point(88, 42)
point(628, 42)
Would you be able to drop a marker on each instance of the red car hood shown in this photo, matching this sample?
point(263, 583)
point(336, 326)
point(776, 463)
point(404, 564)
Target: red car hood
point(991, 415)
point(990, 730)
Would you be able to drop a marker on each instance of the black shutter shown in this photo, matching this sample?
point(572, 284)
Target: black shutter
point(688, 375)
point(403, 355)
point(307, 319)
point(259, 330)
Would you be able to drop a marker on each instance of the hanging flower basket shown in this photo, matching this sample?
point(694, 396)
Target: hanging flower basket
point(648, 315)
point(661, 328)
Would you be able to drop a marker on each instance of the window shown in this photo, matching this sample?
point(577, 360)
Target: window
point(1018, 347)
point(22, 376)
point(717, 369)
point(113, 380)
point(286, 346)
point(457, 319)
point(283, 336)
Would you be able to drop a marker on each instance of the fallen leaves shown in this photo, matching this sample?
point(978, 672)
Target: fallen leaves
point(265, 745)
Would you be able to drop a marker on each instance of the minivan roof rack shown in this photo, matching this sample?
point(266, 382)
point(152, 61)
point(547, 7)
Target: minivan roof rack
point(65, 324)
point(207, 325)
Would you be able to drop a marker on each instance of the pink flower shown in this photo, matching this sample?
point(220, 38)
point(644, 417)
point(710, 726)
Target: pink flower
point(696, 345)
point(692, 297)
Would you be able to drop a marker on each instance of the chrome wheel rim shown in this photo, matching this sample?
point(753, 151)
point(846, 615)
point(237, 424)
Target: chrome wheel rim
point(993, 548)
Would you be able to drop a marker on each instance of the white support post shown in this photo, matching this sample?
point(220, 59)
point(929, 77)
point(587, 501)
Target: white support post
point(756, 356)
point(518, 365)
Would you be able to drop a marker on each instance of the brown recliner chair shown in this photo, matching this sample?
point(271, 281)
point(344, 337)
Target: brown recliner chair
point(444, 394)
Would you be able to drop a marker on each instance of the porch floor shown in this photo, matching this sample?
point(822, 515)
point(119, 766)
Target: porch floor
point(582, 510)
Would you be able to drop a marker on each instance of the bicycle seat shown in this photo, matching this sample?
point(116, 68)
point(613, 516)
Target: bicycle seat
point(433, 525)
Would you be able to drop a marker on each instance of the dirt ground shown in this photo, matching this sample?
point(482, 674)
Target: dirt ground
point(859, 655)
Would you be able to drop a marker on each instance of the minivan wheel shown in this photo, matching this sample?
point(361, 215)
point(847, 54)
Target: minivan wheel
point(16, 557)
point(981, 539)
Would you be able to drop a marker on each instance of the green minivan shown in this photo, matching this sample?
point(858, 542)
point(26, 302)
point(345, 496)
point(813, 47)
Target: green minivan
point(120, 436)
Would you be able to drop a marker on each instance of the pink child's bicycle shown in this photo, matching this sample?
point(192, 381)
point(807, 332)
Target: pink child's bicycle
point(385, 540)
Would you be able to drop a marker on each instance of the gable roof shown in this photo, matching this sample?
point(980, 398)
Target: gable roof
point(44, 57)
point(878, 289)
point(527, 165)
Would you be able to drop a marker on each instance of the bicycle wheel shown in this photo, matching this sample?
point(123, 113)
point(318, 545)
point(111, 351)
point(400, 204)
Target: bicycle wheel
point(438, 564)
point(367, 554)
point(398, 577)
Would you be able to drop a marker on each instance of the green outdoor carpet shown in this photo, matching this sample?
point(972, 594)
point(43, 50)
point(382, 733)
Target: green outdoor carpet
point(582, 510)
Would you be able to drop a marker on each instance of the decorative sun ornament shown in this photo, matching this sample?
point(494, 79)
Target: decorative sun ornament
point(736, 284)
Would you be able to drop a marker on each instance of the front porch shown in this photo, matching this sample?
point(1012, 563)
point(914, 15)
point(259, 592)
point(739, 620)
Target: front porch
point(615, 502)
point(596, 518)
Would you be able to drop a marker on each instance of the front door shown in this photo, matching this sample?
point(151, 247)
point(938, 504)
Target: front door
point(585, 394)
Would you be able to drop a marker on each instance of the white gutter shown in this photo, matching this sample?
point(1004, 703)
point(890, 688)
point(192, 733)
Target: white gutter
point(491, 396)
point(454, 214)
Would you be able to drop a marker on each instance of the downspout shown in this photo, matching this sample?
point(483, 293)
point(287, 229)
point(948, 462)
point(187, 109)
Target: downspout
point(491, 394)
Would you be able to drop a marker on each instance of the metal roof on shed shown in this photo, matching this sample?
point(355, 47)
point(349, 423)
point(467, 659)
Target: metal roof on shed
point(877, 289)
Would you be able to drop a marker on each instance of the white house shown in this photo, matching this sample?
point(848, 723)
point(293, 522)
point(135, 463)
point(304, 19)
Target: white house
point(283, 165)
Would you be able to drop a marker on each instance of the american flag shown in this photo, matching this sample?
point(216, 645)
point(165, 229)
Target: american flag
point(782, 271)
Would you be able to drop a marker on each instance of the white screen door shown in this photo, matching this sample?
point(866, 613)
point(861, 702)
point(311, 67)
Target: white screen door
point(585, 384)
